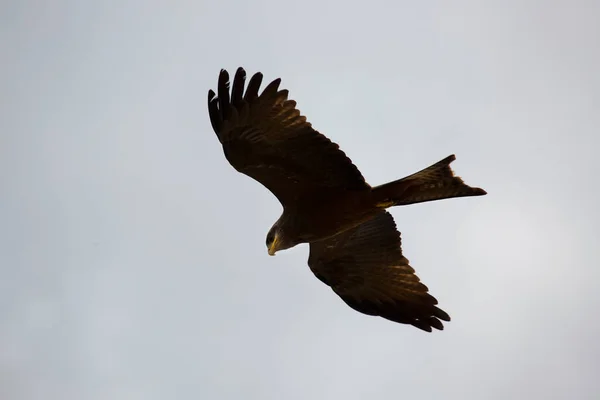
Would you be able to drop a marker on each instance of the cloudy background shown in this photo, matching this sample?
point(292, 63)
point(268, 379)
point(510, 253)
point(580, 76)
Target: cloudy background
point(132, 255)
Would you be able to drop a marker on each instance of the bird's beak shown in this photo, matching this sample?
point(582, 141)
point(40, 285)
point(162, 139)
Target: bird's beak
point(273, 247)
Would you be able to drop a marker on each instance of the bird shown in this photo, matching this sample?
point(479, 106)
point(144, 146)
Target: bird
point(354, 243)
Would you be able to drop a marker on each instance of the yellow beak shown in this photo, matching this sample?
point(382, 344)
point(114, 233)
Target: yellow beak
point(273, 247)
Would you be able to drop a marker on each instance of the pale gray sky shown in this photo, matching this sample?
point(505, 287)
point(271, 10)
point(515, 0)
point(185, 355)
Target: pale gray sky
point(132, 255)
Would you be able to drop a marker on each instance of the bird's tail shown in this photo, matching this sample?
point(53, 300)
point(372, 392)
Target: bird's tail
point(433, 183)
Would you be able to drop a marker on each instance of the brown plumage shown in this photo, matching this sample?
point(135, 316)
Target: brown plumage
point(354, 244)
point(366, 268)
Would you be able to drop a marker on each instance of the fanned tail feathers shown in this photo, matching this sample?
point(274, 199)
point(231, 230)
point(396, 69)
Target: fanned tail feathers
point(432, 183)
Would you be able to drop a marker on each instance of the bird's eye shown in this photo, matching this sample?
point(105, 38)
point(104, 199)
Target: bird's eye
point(269, 239)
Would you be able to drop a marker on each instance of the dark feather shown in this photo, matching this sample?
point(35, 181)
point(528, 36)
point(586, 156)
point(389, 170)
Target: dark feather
point(237, 90)
point(223, 90)
point(216, 119)
point(253, 86)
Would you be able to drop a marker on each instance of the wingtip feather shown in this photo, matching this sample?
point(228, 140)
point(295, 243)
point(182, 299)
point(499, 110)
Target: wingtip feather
point(253, 86)
point(237, 89)
point(216, 120)
point(272, 88)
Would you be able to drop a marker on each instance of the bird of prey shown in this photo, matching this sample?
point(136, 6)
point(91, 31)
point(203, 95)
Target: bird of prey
point(355, 247)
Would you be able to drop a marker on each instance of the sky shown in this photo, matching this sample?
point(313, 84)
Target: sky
point(132, 254)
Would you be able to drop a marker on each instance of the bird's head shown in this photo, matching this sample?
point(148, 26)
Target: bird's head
point(277, 240)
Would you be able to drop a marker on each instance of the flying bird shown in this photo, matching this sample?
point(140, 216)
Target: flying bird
point(355, 247)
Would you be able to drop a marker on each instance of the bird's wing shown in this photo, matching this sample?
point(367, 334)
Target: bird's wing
point(366, 268)
point(265, 137)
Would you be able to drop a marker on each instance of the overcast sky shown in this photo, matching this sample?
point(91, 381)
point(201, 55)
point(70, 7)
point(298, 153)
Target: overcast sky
point(132, 255)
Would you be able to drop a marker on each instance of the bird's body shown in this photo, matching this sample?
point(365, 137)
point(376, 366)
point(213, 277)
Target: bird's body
point(354, 245)
point(333, 211)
